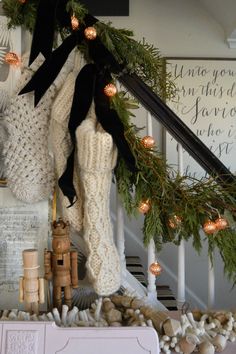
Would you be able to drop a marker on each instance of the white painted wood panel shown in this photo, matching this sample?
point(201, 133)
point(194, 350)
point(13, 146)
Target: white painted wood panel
point(47, 338)
point(22, 338)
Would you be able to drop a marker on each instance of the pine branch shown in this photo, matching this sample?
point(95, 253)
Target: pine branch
point(139, 57)
point(77, 9)
point(20, 14)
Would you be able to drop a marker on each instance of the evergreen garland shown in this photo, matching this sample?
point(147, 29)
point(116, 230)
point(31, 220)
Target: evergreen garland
point(77, 9)
point(140, 57)
point(21, 14)
point(170, 195)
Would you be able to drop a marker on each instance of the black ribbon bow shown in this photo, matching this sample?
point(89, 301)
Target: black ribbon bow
point(89, 83)
point(49, 70)
point(49, 14)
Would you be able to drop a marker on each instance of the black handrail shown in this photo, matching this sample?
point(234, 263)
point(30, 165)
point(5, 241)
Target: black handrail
point(177, 128)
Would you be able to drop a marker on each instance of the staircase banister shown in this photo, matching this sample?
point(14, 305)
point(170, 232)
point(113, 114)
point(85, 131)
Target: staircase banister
point(178, 129)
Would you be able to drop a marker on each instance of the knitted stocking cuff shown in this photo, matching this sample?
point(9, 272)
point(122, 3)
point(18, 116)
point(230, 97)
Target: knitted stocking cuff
point(61, 146)
point(97, 157)
point(28, 166)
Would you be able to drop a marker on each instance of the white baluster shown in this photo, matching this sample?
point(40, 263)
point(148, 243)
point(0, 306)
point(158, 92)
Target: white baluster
point(181, 248)
point(149, 124)
point(151, 278)
point(211, 284)
point(120, 237)
point(151, 247)
point(181, 275)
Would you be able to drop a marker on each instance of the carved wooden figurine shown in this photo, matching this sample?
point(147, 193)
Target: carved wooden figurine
point(31, 289)
point(61, 264)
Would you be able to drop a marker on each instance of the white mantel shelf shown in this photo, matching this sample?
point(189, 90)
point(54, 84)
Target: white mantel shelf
point(47, 338)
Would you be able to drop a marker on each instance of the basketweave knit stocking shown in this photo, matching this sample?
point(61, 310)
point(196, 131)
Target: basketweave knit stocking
point(61, 146)
point(97, 157)
point(28, 166)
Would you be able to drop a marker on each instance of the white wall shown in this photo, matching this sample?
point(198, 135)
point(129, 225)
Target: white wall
point(180, 28)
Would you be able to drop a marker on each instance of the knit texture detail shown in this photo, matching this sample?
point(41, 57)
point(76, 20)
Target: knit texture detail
point(61, 147)
point(97, 157)
point(27, 162)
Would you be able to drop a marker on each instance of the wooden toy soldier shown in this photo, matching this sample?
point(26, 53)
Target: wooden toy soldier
point(31, 289)
point(61, 264)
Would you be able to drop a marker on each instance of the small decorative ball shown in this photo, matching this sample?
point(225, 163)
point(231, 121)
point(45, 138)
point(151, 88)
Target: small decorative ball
point(148, 141)
point(22, 1)
point(175, 221)
point(209, 227)
point(144, 206)
point(74, 23)
point(221, 223)
point(155, 268)
point(90, 33)
point(110, 90)
point(12, 58)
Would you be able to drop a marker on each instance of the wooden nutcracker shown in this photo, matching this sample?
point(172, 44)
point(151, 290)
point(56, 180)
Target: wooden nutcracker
point(61, 264)
point(31, 288)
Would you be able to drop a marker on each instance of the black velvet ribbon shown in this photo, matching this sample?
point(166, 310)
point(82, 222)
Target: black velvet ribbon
point(44, 29)
point(89, 84)
point(51, 67)
point(110, 120)
point(83, 95)
point(49, 14)
point(49, 70)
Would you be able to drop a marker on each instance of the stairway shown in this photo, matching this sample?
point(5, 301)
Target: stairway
point(164, 293)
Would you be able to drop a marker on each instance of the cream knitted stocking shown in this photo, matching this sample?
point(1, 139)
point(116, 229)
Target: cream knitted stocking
point(61, 146)
point(97, 157)
point(28, 165)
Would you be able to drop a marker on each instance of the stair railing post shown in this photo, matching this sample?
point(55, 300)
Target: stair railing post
point(151, 278)
point(120, 225)
point(151, 247)
point(120, 236)
point(211, 285)
point(181, 248)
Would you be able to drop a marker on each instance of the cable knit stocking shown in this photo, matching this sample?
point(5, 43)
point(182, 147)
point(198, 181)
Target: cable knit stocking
point(97, 157)
point(28, 166)
point(61, 146)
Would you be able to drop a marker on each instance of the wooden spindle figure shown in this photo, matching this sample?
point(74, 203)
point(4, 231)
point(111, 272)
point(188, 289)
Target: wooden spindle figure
point(31, 289)
point(61, 264)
